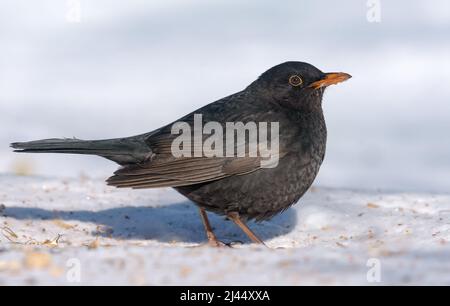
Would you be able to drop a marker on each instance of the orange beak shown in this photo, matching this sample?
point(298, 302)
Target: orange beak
point(331, 79)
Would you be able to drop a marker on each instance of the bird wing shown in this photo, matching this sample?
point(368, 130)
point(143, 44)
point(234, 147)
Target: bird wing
point(181, 172)
point(164, 170)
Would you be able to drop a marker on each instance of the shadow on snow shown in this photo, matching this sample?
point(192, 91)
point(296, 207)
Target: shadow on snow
point(176, 222)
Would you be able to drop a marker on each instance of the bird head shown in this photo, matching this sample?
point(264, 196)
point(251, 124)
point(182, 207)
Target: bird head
point(297, 84)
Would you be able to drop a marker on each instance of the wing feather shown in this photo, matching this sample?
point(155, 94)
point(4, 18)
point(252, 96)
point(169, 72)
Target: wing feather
point(164, 170)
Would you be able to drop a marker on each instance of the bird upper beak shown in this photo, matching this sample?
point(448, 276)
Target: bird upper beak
point(331, 79)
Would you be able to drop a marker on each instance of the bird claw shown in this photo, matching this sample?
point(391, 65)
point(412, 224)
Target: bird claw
point(218, 244)
point(234, 243)
point(221, 244)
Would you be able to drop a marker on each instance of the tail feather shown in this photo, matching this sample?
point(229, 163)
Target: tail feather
point(122, 150)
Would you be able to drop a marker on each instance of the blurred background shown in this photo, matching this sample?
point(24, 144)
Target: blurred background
point(110, 68)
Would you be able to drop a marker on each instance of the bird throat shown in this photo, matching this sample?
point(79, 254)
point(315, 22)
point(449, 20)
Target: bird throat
point(307, 102)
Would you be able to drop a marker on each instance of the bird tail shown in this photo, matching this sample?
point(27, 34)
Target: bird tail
point(121, 150)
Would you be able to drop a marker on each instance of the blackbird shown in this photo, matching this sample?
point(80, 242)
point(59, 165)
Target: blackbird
point(238, 187)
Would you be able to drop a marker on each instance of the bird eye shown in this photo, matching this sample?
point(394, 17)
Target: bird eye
point(295, 80)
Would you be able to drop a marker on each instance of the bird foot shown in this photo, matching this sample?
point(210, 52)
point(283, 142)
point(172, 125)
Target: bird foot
point(215, 243)
point(220, 244)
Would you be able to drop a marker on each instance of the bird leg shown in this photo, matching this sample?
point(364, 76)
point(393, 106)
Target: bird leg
point(212, 239)
point(234, 216)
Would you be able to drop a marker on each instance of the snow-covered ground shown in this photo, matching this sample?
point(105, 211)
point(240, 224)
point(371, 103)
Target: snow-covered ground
point(57, 231)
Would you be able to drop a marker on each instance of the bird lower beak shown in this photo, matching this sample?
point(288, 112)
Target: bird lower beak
point(331, 79)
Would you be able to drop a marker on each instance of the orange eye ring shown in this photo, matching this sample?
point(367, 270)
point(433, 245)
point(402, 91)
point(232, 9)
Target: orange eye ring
point(295, 80)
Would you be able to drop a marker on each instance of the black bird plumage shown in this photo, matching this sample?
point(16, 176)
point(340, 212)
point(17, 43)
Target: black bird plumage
point(238, 187)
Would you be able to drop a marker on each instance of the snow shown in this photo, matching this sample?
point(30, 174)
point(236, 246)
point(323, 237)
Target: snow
point(50, 227)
